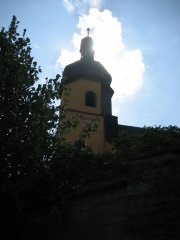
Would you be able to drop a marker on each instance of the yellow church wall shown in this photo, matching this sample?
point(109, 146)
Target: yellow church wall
point(75, 106)
point(76, 98)
point(96, 139)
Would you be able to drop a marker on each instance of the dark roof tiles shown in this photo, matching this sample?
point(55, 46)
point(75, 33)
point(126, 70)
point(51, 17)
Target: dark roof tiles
point(88, 69)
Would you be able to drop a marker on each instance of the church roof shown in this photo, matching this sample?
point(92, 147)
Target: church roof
point(86, 69)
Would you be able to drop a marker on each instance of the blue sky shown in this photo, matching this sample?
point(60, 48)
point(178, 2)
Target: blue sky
point(141, 48)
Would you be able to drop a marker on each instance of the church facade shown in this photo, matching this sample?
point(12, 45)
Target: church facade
point(90, 96)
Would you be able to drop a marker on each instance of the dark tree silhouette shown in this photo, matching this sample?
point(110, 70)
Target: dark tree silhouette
point(28, 121)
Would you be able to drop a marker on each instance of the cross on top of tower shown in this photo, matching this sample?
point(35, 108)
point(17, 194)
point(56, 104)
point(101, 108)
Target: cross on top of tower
point(88, 31)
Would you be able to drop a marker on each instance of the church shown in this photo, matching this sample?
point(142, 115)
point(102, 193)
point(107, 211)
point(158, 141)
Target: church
point(90, 96)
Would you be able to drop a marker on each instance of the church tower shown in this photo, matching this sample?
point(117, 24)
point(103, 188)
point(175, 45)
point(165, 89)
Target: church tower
point(90, 95)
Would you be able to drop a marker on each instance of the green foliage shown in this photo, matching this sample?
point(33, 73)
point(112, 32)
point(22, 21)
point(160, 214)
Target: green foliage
point(27, 114)
point(29, 118)
point(149, 141)
point(76, 166)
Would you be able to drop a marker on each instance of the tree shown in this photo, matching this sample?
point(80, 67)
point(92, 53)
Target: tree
point(28, 122)
point(148, 141)
point(28, 114)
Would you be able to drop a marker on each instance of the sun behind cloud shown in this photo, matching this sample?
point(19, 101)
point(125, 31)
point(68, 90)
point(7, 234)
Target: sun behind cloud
point(125, 66)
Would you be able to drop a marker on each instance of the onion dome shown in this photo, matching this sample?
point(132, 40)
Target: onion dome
point(86, 67)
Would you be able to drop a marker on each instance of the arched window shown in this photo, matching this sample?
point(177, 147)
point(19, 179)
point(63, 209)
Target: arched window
point(90, 99)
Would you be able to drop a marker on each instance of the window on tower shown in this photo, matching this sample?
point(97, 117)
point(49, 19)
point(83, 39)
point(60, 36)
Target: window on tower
point(90, 99)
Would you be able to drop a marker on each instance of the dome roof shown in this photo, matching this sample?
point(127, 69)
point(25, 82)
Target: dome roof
point(86, 69)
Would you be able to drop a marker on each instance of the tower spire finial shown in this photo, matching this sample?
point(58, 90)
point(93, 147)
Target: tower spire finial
point(88, 31)
point(86, 47)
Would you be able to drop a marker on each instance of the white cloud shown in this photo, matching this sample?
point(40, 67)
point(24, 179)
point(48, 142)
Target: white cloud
point(69, 5)
point(93, 3)
point(125, 66)
point(81, 6)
